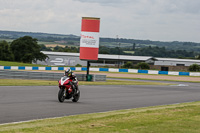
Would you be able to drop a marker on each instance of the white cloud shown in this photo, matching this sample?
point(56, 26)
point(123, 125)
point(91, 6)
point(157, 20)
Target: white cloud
point(167, 20)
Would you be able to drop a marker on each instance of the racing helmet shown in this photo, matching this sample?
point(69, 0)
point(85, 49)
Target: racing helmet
point(68, 72)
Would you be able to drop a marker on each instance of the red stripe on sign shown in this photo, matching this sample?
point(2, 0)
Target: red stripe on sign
point(90, 25)
point(87, 53)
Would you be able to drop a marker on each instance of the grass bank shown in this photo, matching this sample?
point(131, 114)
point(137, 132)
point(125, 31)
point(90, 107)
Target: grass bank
point(155, 79)
point(9, 63)
point(179, 118)
point(22, 82)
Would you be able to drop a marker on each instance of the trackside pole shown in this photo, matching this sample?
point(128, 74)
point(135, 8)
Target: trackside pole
point(88, 70)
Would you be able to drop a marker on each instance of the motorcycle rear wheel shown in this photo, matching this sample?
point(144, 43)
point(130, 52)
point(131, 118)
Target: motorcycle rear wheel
point(61, 96)
point(76, 97)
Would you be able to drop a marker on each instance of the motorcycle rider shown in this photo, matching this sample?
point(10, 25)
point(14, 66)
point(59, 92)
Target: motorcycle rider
point(72, 76)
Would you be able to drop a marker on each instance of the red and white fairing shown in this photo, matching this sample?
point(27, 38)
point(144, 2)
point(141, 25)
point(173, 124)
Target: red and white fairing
point(89, 43)
point(64, 81)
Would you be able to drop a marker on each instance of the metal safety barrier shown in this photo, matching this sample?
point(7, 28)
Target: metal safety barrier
point(12, 74)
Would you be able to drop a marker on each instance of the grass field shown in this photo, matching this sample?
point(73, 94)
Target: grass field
point(54, 45)
point(129, 52)
point(22, 82)
point(40, 42)
point(177, 80)
point(178, 118)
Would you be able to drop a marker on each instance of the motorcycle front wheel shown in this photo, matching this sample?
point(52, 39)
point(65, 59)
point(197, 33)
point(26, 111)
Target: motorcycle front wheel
point(61, 96)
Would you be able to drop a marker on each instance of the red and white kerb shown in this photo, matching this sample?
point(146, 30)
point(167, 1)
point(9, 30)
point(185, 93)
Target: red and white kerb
point(89, 43)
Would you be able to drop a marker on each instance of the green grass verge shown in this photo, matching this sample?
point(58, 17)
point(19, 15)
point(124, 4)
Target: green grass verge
point(22, 82)
point(154, 79)
point(179, 118)
point(9, 63)
point(118, 82)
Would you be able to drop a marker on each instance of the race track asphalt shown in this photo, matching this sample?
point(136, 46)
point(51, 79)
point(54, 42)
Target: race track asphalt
point(22, 103)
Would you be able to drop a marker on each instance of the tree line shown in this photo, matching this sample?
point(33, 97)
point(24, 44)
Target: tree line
point(24, 49)
point(149, 51)
point(145, 51)
point(163, 52)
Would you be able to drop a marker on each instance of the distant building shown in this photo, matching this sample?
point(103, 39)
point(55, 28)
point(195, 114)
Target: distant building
point(72, 59)
point(175, 62)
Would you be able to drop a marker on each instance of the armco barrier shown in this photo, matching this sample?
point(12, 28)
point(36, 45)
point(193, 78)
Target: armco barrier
point(13, 74)
point(100, 69)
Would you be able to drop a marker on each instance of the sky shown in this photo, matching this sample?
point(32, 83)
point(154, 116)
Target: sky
point(156, 20)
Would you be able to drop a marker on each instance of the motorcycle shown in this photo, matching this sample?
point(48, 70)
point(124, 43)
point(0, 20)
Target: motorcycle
point(66, 90)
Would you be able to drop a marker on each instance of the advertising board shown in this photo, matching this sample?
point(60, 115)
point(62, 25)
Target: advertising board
point(89, 43)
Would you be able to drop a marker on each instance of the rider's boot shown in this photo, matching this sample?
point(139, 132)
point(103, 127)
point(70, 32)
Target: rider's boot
point(74, 88)
point(77, 90)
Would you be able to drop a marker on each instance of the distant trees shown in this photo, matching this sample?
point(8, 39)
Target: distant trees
point(104, 50)
point(71, 49)
point(107, 50)
point(44, 48)
point(162, 52)
point(5, 53)
point(134, 45)
point(194, 68)
point(142, 65)
point(78, 65)
point(128, 64)
point(154, 51)
point(148, 51)
point(24, 49)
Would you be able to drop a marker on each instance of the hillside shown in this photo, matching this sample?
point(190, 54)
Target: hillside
point(46, 38)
